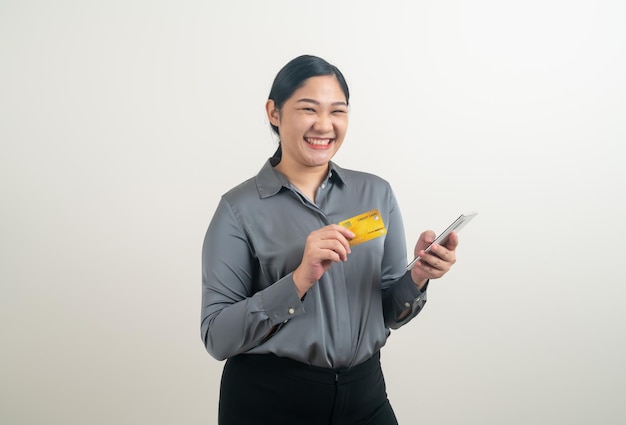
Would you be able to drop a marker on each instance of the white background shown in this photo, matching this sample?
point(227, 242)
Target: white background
point(122, 123)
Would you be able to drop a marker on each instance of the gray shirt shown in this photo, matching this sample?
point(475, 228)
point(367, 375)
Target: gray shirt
point(256, 240)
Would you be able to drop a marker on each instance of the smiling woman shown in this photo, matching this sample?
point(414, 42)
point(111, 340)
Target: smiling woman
point(312, 125)
point(298, 304)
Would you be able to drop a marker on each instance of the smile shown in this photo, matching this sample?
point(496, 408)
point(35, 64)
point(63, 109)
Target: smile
point(317, 142)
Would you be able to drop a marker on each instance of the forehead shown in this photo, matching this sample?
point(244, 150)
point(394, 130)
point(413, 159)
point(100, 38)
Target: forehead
point(324, 88)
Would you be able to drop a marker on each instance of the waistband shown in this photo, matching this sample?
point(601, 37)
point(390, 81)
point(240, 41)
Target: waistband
point(304, 371)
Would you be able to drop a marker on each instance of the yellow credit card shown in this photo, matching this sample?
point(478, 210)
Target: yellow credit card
point(365, 227)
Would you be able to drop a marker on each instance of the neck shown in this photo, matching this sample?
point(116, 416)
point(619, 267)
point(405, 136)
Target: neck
point(306, 179)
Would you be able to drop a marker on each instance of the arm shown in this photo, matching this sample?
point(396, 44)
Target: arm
point(432, 266)
point(236, 316)
point(402, 298)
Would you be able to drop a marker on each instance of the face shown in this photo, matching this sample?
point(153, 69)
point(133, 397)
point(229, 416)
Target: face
point(312, 123)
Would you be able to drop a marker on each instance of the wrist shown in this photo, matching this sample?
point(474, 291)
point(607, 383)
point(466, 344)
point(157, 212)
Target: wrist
point(421, 283)
point(300, 287)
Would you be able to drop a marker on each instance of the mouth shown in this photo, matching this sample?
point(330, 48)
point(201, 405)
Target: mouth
point(318, 143)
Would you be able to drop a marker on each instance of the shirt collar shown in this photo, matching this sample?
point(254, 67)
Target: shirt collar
point(270, 181)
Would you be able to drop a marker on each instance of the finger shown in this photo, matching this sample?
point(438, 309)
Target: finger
point(428, 236)
point(332, 231)
point(332, 248)
point(442, 253)
point(344, 231)
point(439, 262)
point(430, 271)
point(432, 262)
point(452, 242)
point(338, 233)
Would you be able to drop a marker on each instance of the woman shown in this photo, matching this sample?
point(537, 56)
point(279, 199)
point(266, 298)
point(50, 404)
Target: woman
point(298, 310)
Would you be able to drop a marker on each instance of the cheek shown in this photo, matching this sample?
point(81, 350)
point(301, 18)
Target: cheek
point(341, 126)
point(294, 131)
point(303, 125)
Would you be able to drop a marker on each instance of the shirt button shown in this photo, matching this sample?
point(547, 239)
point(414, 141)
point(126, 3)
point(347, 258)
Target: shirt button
point(291, 311)
point(324, 186)
point(418, 299)
point(407, 305)
point(285, 321)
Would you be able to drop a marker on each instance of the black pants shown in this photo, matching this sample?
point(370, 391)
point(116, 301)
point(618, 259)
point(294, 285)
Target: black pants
point(264, 389)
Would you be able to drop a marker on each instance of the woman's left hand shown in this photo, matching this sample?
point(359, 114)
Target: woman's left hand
point(438, 262)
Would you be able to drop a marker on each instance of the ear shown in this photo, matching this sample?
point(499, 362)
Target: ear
point(273, 114)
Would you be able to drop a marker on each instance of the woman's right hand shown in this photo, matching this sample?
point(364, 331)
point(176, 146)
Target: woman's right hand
point(323, 247)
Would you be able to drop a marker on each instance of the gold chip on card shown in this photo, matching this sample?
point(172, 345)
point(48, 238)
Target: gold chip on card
point(365, 227)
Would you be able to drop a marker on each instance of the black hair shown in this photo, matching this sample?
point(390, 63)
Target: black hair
point(293, 75)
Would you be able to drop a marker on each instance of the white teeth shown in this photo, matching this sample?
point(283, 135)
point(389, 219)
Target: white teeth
point(319, 142)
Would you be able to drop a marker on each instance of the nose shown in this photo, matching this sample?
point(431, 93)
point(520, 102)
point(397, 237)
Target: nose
point(324, 123)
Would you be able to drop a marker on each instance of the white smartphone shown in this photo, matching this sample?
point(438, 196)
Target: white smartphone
point(456, 225)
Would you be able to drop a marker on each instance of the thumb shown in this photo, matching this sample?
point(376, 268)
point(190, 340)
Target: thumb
point(427, 237)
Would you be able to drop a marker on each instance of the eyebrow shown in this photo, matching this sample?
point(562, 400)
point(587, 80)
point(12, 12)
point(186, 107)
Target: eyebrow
point(315, 102)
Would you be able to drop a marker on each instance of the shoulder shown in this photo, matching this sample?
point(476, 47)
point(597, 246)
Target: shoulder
point(243, 200)
point(360, 178)
point(244, 190)
point(266, 183)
